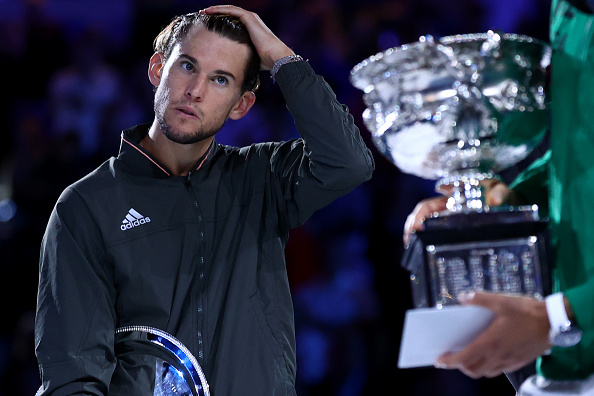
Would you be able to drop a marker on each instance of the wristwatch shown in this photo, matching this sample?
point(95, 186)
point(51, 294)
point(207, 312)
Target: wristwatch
point(563, 333)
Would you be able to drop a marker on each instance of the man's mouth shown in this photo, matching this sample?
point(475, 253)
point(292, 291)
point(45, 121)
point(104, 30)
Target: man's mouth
point(187, 111)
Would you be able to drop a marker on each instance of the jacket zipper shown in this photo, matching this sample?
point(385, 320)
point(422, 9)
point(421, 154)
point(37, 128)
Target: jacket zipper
point(200, 267)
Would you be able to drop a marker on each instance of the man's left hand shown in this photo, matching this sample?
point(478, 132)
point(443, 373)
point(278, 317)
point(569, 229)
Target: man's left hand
point(516, 337)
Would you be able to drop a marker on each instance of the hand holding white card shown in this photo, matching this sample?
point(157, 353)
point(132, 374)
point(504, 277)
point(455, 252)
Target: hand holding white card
point(430, 332)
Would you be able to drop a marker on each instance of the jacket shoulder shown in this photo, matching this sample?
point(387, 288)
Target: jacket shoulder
point(96, 179)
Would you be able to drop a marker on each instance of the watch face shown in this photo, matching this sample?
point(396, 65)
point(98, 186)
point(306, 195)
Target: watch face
point(567, 338)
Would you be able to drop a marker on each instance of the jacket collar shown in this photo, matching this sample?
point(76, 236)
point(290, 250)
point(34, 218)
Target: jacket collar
point(141, 162)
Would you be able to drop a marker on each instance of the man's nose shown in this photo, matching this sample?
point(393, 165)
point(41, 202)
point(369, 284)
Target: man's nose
point(196, 89)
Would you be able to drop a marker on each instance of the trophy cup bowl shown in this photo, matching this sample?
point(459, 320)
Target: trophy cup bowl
point(459, 110)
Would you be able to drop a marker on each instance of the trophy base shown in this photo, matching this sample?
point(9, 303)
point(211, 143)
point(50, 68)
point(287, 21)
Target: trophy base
point(500, 251)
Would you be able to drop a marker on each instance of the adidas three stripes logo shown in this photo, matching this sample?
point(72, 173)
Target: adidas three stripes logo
point(133, 219)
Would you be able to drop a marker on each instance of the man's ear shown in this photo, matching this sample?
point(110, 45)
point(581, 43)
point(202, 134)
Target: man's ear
point(244, 104)
point(156, 68)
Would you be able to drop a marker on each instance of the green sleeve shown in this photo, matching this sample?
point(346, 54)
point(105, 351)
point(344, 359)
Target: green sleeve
point(532, 185)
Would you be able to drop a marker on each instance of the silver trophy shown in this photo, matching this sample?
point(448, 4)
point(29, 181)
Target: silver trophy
point(163, 366)
point(156, 363)
point(459, 110)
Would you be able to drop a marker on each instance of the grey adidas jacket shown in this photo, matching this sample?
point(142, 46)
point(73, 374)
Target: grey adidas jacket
point(200, 257)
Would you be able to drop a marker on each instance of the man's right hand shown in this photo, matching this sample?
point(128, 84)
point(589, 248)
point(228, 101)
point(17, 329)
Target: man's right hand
point(269, 47)
point(424, 209)
point(496, 193)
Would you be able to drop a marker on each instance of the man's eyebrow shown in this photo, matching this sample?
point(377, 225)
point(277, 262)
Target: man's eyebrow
point(195, 62)
point(225, 73)
point(190, 58)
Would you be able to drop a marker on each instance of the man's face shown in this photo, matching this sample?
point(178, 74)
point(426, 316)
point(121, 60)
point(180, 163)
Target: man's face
point(198, 86)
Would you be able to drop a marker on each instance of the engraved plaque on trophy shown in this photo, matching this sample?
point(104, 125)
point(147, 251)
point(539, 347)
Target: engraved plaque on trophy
point(458, 110)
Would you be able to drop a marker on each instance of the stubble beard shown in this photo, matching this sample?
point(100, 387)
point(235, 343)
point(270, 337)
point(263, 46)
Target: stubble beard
point(181, 137)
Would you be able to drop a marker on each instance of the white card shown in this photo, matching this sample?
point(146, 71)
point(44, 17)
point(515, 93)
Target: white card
point(430, 332)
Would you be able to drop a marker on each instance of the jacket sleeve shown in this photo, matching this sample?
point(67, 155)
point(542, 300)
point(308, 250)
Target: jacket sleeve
point(75, 319)
point(532, 185)
point(330, 159)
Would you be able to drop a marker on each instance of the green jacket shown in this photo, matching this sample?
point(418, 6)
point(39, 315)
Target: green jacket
point(567, 174)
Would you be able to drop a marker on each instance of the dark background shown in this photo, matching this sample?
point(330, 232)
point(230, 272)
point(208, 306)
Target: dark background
point(74, 75)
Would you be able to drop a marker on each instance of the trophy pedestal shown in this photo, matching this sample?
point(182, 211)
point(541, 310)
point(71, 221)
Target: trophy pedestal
point(500, 251)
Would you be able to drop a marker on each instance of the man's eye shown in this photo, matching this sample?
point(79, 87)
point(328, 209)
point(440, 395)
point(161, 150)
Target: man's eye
point(221, 80)
point(188, 66)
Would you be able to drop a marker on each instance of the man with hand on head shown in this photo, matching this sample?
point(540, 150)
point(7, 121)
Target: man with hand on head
point(207, 263)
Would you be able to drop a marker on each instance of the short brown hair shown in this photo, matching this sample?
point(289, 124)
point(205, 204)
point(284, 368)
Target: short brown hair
point(227, 26)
